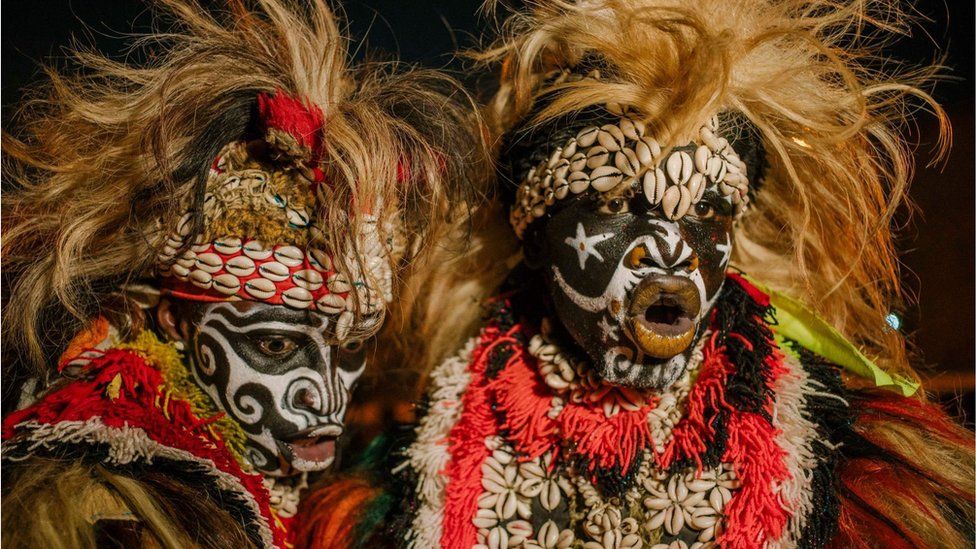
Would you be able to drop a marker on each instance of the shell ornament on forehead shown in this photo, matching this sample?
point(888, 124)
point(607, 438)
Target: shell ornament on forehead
point(620, 154)
point(259, 240)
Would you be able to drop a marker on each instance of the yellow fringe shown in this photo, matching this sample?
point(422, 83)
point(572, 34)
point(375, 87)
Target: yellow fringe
point(179, 383)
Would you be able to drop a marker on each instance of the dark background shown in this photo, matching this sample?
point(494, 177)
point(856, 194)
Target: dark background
point(937, 244)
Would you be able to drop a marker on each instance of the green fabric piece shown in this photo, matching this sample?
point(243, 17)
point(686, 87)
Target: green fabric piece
point(795, 321)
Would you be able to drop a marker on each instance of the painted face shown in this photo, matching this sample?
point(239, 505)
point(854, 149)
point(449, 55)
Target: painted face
point(632, 286)
point(283, 375)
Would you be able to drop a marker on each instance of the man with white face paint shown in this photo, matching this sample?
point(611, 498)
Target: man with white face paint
point(211, 243)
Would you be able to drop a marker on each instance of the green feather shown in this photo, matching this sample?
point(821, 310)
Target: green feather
point(795, 321)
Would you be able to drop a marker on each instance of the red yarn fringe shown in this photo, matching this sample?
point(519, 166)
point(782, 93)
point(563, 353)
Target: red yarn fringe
point(139, 400)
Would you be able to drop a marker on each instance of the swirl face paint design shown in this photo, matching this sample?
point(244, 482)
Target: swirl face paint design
point(282, 375)
point(631, 286)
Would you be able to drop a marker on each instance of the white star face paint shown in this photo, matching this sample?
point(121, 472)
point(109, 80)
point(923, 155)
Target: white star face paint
point(585, 246)
point(280, 374)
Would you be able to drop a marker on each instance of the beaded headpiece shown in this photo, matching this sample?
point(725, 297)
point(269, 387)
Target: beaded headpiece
point(259, 239)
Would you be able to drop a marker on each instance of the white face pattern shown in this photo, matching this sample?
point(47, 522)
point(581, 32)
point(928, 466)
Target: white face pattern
point(282, 375)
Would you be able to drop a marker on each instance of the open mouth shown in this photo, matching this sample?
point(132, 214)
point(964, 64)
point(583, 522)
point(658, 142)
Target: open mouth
point(312, 449)
point(661, 315)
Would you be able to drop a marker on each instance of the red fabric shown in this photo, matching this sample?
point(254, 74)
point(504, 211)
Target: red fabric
point(302, 119)
point(141, 402)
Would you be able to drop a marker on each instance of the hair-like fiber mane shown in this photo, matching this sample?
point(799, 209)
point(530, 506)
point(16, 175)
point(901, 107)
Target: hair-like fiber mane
point(108, 152)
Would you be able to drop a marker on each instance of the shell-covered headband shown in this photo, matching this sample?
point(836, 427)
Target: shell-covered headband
point(608, 148)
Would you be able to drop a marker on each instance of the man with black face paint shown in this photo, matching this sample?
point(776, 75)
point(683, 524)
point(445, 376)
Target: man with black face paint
point(226, 224)
point(630, 386)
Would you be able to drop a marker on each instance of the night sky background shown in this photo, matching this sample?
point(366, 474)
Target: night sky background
point(937, 244)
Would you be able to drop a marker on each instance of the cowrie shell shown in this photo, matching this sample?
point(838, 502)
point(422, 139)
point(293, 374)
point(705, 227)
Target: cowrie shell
point(320, 260)
point(290, 256)
point(702, 155)
point(255, 250)
point(331, 304)
point(227, 245)
point(261, 288)
point(273, 271)
point(669, 202)
point(561, 189)
point(485, 518)
point(343, 324)
point(550, 496)
point(209, 262)
point(201, 279)
point(597, 156)
point(226, 284)
point(188, 259)
point(679, 166)
point(570, 149)
point(548, 534)
point(716, 169)
point(605, 178)
point(555, 157)
point(696, 186)
point(200, 246)
point(276, 200)
point(174, 241)
point(179, 271)
point(710, 140)
point(308, 278)
point(587, 136)
point(607, 140)
point(629, 129)
point(297, 297)
point(497, 538)
point(240, 265)
point(626, 161)
point(643, 153)
point(297, 217)
point(577, 162)
point(185, 224)
point(578, 182)
point(610, 137)
point(338, 283)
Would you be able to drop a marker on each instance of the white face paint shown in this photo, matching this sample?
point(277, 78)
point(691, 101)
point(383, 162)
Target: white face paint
point(280, 374)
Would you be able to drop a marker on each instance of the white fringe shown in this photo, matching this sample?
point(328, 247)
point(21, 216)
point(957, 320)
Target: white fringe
point(429, 455)
point(796, 435)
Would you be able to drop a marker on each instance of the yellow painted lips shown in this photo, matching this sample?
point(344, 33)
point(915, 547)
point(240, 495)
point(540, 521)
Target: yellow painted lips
point(661, 313)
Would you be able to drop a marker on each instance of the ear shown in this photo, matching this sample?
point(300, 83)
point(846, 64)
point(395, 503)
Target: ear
point(169, 323)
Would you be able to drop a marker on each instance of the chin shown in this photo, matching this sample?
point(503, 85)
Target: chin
point(617, 368)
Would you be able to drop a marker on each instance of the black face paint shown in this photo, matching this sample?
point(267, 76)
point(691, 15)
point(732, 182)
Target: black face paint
point(279, 373)
point(630, 286)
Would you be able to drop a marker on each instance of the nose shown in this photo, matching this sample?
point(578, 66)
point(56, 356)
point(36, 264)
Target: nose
point(306, 399)
point(640, 256)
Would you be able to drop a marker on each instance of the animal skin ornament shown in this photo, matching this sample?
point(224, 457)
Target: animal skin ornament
point(227, 223)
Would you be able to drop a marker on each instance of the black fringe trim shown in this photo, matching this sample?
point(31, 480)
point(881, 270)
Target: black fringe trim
point(833, 420)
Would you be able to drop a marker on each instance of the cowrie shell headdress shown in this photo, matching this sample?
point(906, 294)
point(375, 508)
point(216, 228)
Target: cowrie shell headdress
point(622, 153)
point(260, 241)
